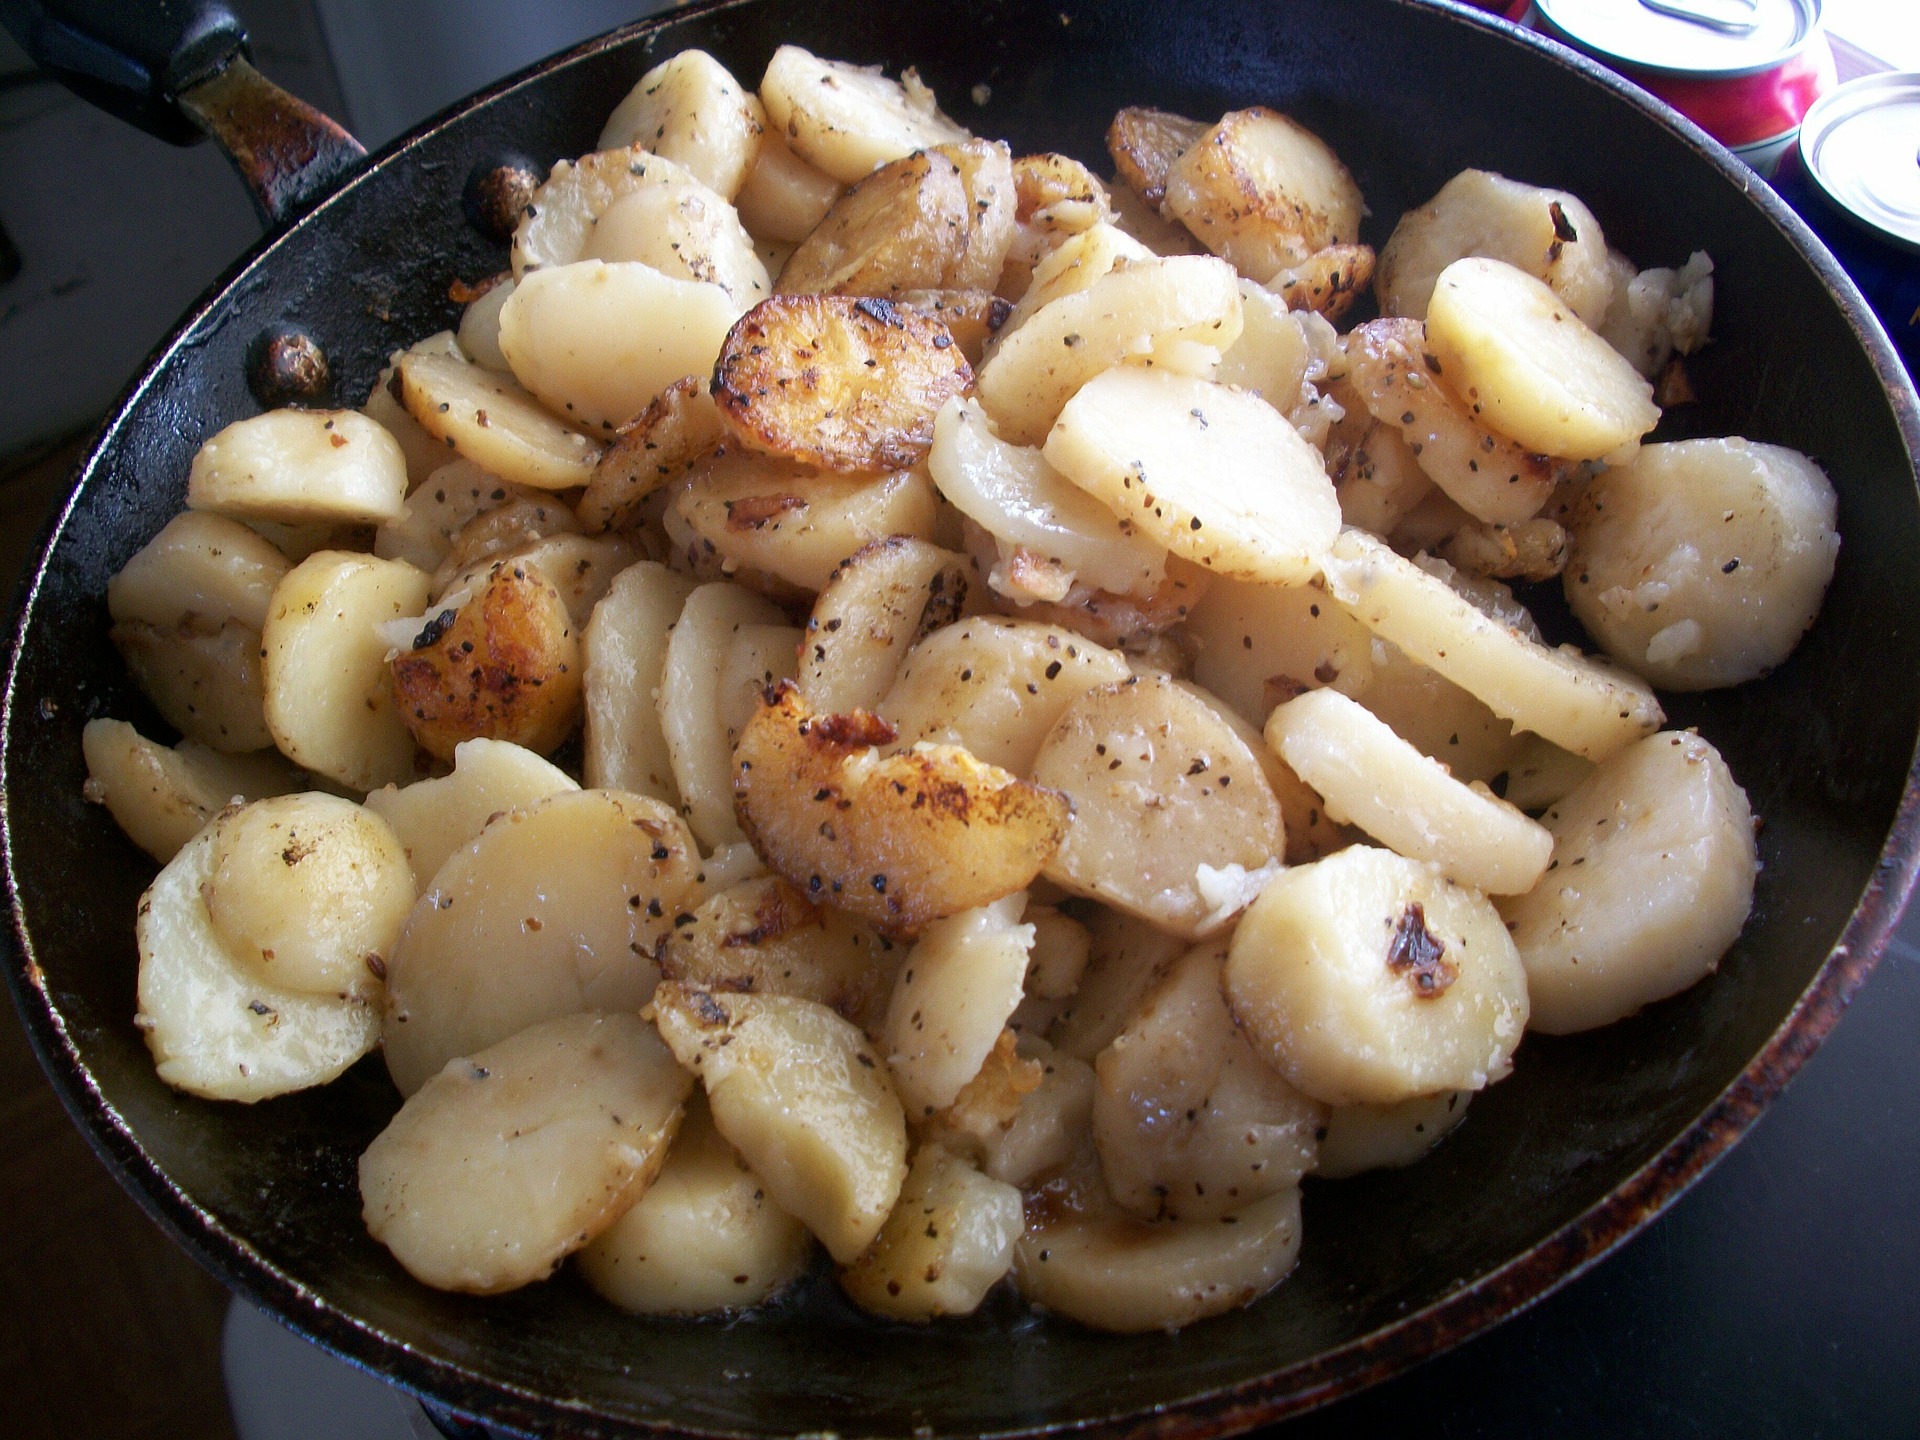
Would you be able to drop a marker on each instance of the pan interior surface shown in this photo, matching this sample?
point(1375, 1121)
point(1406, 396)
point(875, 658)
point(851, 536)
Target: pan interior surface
point(1407, 96)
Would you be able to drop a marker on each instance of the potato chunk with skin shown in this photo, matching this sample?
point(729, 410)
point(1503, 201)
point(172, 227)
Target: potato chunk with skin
point(1360, 1138)
point(704, 1238)
point(1547, 233)
point(838, 383)
point(897, 841)
point(1189, 1121)
point(679, 425)
point(201, 568)
point(783, 197)
point(216, 1029)
point(624, 655)
point(299, 467)
point(1374, 779)
point(553, 908)
point(848, 120)
point(877, 604)
point(689, 109)
point(904, 227)
point(1264, 191)
point(309, 892)
point(1560, 694)
point(491, 420)
point(503, 665)
point(802, 1096)
point(1145, 142)
point(207, 684)
point(948, 1242)
point(1702, 563)
point(434, 818)
point(1528, 367)
point(1652, 878)
point(951, 1000)
point(162, 797)
point(995, 687)
point(1152, 446)
point(1366, 978)
point(1161, 787)
point(508, 1160)
point(324, 667)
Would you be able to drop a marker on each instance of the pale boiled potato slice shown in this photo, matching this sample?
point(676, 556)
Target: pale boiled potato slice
point(206, 684)
point(1052, 1123)
point(1372, 778)
point(491, 420)
point(479, 332)
point(1012, 493)
point(803, 1097)
point(598, 341)
point(1083, 1257)
point(1547, 233)
point(1367, 978)
point(434, 818)
point(552, 909)
point(778, 519)
point(1071, 267)
point(996, 687)
point(1701, 564)
point(689, 705)
point(1061, 949)
point(1359, 1138)
point(1152, 446)
point(301, 467)
point(216, 1029)
point(440, 509)
point(510, 1159)
point(1262, 643)
point(504, 526)
point(1375, 472)
point(1178, 312)
point(1529, 368)
point(1264, 191)
point(847, 120)
point(1162, 788)
point(683, 230)
point(757, 657)
point(1126, 961)
point(580, 567)
point(1652, 878)
point(955, 990)
point(1141, 222)
point(1189, 1121)
point(200, 568)
point(309, 892)
point(1573, 701)
point(783, 197)
point(324, 667)
point(1272, 357)
point(704, 1238)
point(1439, 719)
point(624, 652)
point(425, 453)
point(161, 797)
point(689, 109)
point(949, 1240)
point(1540, 773)
point(877, 603)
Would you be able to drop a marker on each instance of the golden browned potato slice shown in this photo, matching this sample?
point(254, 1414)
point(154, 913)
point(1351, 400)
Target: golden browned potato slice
point(1058, 196)
point(491, 420)
point(502, 665)
point(162, 797)
point(783, 197)
point(972, 317)
point(1263, 191)
point(581, 567)
point(678, 426)
point(846, 119)
point(206, 683)
point(948, 1242)
point(1327, 281)
point(690, 109)
point(1145, 142)
point(510, 1159)
point(299, 467)
point(837, 383)
point(877, 605)
point(897, 841)
point(904, 227)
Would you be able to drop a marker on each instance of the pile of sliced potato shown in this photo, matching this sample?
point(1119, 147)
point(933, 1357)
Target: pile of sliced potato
point(1057, 761)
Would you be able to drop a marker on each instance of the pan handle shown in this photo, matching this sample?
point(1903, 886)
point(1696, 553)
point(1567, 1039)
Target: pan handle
point(178, 69)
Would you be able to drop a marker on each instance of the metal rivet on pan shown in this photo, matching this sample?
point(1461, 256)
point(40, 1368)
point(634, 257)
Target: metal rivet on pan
point(286, 366)
point(497, 191)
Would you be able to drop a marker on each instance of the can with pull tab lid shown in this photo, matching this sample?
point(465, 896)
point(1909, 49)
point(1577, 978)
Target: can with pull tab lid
point(1745, 71)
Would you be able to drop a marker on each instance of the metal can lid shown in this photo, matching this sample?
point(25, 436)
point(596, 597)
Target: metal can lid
point(1861, 145)
point(1687, 37)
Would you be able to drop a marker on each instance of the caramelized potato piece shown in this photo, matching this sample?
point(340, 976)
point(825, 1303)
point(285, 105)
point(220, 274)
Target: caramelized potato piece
point(848, 120)
point(972, 317)
point(623, 655)
point(904, 227)
point(897, 841)
point(300, 467)
point(1145, 142)
point(689, 109)
point(876, 605)
point(509, 1160)
point(986, 173)
point(162, 797)
point(434, 818)
point(493, 421)
point(1057, 195)
point(951, 1000)
point(1327, 281)
point(948, 1242)
point(679, 425)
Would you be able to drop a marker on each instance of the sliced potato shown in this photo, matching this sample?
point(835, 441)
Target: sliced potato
point(492, 420)
point(161, 797)
point(1151, 446)
point(509, 1160)
point(425, 453)
point(1652, 878)
point(1272, 357)
point(623, 655)
point(301, 467)
point(581, 569)
point(898, 841)
point(200, 569)
point(207, 684)
point(876, 605)
point(704, 1238)
point(434, 818)
point(689, 109)
point(1366, 978)
point(1533, 550)
point(847, 120)
point(679, 425)
point(1126, 962)
point(1052, 1122)
point(552, 909)
point(904, 227)
point(783, 197)
point(948, 1242)
point(452, 497)
point(1145, 142)
point(1073, 266)
point(1360, 1138)
point(1144, 223)
point(1326, 282)
point(479, 332)
point(1058, 196)
point(1438, 718)
point(678, 226)
point(951, 1000)
point(802, 1096)
point(1529, 368)
point(1375, 472)
point(1260, 644)
point(215, 1028)
point(972, 317)
point(1573, 701)
point(757, 657)
point(986, 172)
point(496, 532)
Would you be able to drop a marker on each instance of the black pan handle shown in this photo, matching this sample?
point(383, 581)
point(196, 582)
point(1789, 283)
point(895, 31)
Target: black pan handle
point(179, 70)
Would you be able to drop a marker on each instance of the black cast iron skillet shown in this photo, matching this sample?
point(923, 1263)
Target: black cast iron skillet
point(1591, 1137)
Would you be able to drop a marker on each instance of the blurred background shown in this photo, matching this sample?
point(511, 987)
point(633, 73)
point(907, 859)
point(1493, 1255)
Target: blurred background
point(1781, 1297)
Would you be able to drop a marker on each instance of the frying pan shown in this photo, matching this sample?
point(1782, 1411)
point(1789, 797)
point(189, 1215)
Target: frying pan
point(1592, 1136)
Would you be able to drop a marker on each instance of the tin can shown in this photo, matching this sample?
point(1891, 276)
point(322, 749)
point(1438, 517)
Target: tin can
point(1745, 71)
